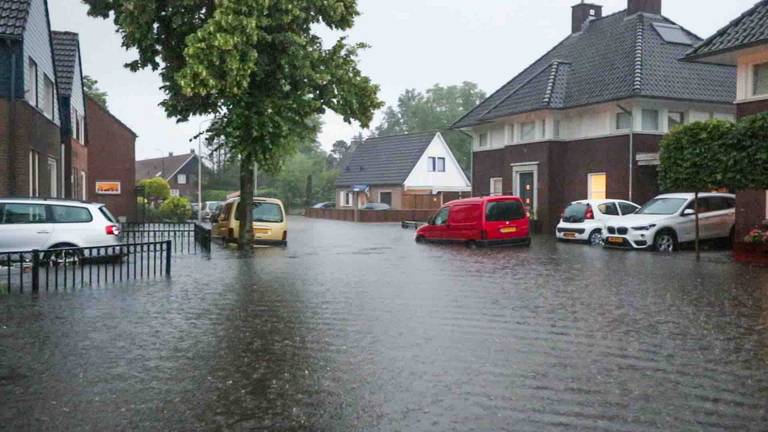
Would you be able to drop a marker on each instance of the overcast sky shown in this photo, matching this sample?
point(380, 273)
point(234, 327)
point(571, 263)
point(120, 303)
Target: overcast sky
point(414, 44)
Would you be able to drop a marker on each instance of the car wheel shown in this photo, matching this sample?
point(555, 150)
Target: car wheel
point(665, 242)
point(471, 245)
point(596, 238)
point(420, 239)
point(63, 257)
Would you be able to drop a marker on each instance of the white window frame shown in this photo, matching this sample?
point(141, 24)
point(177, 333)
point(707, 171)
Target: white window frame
point(658, 120)
point(180, 177)
point(34, 174)
point(590, 191)
point(431, 164)
point(669, 117)
point(493, 191)
point(49, 94)
point(523, 126)
point(480, 136)
point(34, 83)
point(753, 79)
point(392, 195)
point(527, 167)
point(84, 185)
point(53, 169)
point(175, 193)
point(437, 164)
point(616, 121)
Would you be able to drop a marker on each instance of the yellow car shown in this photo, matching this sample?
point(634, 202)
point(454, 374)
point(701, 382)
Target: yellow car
point(270, 226)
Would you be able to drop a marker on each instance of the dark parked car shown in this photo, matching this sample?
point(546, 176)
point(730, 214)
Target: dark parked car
point(377, 206)
point(325, 205)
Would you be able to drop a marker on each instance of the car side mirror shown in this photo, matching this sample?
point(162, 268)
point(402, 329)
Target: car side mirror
point(689, 212)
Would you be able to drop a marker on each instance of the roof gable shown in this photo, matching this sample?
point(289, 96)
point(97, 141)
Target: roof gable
point(749, 29)
point(164, 167)
point(13, 17)
point(384, 160)
point(614, 57)
point(66, 48)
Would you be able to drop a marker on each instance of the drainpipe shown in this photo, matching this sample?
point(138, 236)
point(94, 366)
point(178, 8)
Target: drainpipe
point(12, 123)
point(631, 151)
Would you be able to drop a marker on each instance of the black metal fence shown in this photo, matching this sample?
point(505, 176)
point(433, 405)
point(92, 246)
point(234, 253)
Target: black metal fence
point(69, 268)
point(185, 237)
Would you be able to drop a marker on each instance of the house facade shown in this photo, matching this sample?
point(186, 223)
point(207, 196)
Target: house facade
point(69, 82)
point(30, 136)
point(586, 119)
point(181, 172)
point(111, 167)
point(406, 172)
point(744, 43)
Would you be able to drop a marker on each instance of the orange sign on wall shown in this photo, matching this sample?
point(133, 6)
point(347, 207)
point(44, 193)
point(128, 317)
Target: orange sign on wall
point(108, 188)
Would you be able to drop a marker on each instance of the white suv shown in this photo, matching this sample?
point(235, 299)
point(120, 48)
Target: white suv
point(29, 224)
point(669, 220)
point(586, 220)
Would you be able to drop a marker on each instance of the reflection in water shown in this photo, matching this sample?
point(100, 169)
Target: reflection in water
point(357, 328)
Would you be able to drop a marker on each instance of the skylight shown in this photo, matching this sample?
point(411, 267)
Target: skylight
point(673, 34)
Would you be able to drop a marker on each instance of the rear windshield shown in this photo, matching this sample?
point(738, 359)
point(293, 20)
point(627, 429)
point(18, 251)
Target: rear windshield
point(502, 211)
point(107, 214)
point(267, 212)
point(575, 212)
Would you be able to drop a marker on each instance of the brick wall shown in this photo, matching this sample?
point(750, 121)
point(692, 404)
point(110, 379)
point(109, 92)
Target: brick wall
point(111, 157)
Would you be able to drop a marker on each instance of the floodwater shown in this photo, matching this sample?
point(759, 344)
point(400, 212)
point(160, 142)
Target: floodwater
point(357, 328)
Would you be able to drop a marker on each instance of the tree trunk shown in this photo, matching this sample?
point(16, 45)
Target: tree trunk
point(698, 228)
point(244, 213)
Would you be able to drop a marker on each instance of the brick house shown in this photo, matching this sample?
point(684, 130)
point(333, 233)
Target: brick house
point(30, 138)
point(69, 82)
point(744, 43)
point(407, 172)
point(181, 172)
point(585, 120)
point(111, 156)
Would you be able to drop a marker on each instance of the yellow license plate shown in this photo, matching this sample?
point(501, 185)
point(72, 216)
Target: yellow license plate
point(616, 240)
point(569, 235)
point(508, 230)
point(261, 230)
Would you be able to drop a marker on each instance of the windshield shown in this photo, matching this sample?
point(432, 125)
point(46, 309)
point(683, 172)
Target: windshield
point(662, 206)
point(267, 212)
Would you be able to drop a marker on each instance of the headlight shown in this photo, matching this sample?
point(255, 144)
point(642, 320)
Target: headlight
point(643, 228)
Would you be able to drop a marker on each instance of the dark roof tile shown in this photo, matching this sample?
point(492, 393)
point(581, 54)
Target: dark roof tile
point(65, 49)
point(13, 17)
point(161, 167)
point(384, 160)
point(749, 29)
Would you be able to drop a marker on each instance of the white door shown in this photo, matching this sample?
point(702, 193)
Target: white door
point(24, 227)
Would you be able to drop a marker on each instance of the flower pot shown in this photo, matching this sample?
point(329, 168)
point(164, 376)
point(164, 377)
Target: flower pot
point(752, 253)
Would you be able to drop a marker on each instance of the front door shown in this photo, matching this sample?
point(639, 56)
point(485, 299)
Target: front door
point(526, 189)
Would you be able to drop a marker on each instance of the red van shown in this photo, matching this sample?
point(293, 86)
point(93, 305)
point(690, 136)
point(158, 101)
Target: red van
point(489, 221)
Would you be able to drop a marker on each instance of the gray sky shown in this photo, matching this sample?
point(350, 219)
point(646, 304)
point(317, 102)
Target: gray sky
point(415, 44)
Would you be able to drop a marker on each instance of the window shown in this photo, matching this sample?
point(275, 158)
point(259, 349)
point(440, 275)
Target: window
point(48, 97)
point(346, 199)
point(78, 126)
point(441, 218)
point(721, 203)
point(760, 86)
point(181, 179)
point(23, 214)
point(34, 174)
point(482, 140)
point(609, 209)
point(676, 119)
point(431, 164)
point(33, 83)
point(267, 212)
point(440, 164)
point(650, 120)
point(66, 214)
point(672, 34)
point(543, 132)
point(497, 186)
point(53, 177)
point(598, 186)
point(628, 209)
point(503, 211)
point(528, 131)
point(556, 131)
point(175, 193)
point(83, 186)
point(385, 198)
point(623, 121)
point(105, 211)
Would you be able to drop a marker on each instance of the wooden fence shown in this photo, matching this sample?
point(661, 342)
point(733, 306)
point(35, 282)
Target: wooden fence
point(371, 216)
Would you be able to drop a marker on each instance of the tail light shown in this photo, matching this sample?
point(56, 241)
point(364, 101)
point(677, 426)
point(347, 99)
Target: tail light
point(112, 230)
point(589, 214)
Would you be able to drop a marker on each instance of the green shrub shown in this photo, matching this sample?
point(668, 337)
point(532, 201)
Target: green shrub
point(176, 209)
point(215, 195)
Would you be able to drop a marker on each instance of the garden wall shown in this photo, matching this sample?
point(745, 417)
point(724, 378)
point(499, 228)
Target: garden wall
point(371, 216)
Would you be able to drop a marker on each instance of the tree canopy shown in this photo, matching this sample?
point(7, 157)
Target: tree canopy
point(435, 109)
point(91, 88)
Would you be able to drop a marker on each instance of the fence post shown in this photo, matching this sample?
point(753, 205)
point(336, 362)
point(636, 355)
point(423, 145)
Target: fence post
point(168, 247)
point(35, 271)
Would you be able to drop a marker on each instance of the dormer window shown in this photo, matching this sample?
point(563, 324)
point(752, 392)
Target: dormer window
point(760, 84)
point(436, 164)
point(482, 140)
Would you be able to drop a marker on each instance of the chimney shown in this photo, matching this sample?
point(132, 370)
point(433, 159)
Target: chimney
point(652, 7)
point(170, 154)
point(582, 13)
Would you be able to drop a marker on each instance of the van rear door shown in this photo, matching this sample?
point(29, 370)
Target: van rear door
point(505, 219)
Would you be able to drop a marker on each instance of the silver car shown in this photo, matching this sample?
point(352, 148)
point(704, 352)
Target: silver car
point(37, 224)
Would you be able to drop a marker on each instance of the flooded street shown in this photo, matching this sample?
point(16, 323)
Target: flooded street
point(357, 328)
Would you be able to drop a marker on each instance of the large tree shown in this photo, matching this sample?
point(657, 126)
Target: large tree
point(435, 109)
point(91, 88)
point(257, 65)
